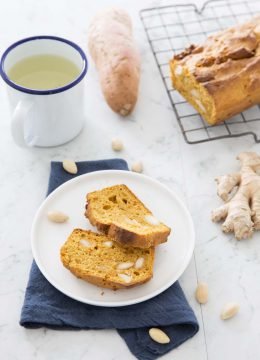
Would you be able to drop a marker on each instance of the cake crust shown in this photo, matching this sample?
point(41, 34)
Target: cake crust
point(117, 212)
point(221, 78)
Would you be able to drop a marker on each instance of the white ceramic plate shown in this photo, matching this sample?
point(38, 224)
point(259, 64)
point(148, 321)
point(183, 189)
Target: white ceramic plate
point(171, 258)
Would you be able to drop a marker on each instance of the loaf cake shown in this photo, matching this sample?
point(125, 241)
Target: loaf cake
point(221, 77)
point(117, 212)
point(99, 260)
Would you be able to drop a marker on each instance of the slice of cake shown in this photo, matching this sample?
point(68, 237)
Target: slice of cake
point(117, 212)
point(99, 260)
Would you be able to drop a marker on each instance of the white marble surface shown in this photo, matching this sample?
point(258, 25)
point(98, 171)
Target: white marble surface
point(231, 268)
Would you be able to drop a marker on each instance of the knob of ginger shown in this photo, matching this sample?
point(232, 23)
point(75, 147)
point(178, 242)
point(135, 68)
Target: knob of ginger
point(241, 211)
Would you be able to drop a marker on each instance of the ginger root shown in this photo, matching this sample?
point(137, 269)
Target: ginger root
point(241, 211)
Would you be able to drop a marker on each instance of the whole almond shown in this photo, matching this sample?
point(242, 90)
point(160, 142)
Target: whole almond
point(117, 144)
point(126, 278)
point(108, 243)
point(202, 293)
point(159, 336)
point(124, 265)
point(57, 216)
point(229, 310)
point(70, 166)
point(137, 167)
point(139, 263)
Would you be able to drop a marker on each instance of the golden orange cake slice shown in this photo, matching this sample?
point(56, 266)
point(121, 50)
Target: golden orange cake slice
point(99, 260)
point(117, 212)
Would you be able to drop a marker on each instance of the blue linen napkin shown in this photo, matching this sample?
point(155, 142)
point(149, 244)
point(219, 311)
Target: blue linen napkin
point(45, 306)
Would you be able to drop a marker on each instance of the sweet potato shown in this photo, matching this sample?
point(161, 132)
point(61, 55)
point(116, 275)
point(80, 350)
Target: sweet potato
point(116, 57)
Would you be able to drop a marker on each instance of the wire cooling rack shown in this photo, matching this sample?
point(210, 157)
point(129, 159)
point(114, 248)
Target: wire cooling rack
point(169, 30)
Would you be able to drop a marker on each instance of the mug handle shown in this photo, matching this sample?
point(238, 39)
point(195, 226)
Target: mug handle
point(19, 117)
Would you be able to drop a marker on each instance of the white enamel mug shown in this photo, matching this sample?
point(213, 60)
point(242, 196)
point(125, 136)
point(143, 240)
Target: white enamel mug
point(45, 117)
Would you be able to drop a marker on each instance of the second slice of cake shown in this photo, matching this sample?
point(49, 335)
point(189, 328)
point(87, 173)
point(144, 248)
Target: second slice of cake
point(101, 261)
point(117, 212)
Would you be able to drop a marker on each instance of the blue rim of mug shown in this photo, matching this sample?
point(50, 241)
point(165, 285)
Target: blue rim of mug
point(48, 91)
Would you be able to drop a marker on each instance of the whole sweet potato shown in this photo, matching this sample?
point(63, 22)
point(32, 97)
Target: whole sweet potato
point(116, 57)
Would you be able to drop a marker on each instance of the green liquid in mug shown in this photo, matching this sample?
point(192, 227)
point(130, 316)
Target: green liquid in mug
point(43, 72)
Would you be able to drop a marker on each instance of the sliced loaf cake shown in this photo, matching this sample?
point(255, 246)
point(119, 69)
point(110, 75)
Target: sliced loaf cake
point(117, 212)
point(101, 261)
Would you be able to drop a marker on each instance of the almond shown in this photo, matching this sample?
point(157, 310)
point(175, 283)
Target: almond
point(70, 166)
point(108, 243)
point(126, 278)
point(124, 265)
point(57, 216)
point(159, 336)
point(139, 263)
point(117, 144)
point(229, 310)
point(137, 167)
point(202, 293)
